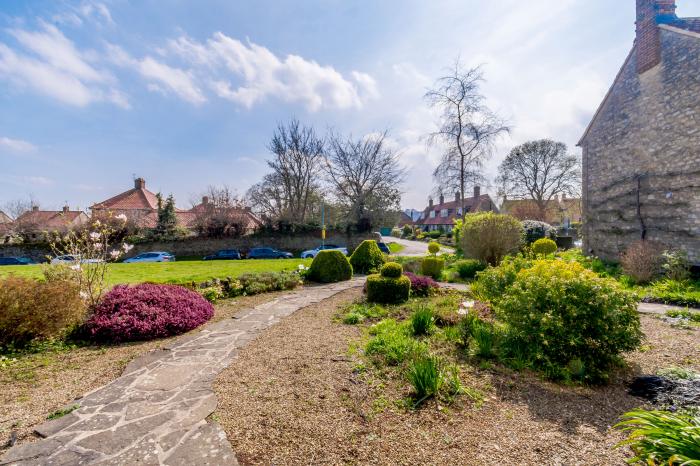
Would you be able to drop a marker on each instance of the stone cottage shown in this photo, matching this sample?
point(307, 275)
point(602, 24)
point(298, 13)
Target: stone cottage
point(641, 152)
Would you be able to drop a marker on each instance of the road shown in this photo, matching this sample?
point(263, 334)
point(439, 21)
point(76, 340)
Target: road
point(412, 248)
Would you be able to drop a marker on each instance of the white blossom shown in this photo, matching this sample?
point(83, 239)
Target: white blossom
point(94, 236)
point(121, 217)
point(115, 254)
point(127, 247)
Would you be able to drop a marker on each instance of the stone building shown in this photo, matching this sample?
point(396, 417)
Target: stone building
point(641, 152)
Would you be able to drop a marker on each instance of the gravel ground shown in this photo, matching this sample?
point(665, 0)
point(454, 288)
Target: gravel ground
point(37, 385)
point(293, 397)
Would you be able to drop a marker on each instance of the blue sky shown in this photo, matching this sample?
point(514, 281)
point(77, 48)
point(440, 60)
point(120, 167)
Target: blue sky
point(186, 94)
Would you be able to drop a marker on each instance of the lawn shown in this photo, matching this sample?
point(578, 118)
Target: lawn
point(174, 272)
point(396, 248)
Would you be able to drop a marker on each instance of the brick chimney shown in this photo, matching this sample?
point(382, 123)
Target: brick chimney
point(66, 209)
point(140, 183)
point(442, 199)
point(477, 191)
point(430, 202)
point(651, 13)
point(205, 200)
point(35, 208)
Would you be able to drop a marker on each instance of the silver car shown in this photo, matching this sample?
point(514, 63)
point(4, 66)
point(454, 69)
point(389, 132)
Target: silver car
point(311, 253)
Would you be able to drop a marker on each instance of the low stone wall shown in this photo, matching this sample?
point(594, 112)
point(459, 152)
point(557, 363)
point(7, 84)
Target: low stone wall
point(204, 246)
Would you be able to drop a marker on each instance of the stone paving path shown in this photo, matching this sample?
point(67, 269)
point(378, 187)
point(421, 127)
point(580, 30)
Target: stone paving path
point(155, 413)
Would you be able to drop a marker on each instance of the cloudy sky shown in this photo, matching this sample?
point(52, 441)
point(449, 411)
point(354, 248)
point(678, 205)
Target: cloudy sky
point(187, 93)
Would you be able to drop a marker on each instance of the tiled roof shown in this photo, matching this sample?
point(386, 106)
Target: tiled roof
point(135, 198)
point(471, 204)
point(4, 218)
point(49, 219)
point(690, 24)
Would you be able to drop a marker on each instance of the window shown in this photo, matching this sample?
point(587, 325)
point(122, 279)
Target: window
point(443, 213)
point(432, 214)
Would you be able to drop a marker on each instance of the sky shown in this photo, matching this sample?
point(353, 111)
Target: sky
point(187, 94)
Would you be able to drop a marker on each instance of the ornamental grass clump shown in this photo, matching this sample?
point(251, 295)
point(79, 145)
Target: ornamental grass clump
point(662, 437)
point(147, 311)
point(330, 267)
point(422, 321)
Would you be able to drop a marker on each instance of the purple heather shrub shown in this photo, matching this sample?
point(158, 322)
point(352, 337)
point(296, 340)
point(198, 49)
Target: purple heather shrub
point(421, 286)
point(147, 311)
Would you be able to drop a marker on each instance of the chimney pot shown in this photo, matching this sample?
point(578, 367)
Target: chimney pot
point(430, 202)
point(477, 191)
point(66, 209)
point(442, 199)
point(205, 200)
point(140, 183)
point(35, 208)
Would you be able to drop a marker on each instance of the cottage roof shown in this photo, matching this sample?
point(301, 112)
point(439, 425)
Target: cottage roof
point(51, 219)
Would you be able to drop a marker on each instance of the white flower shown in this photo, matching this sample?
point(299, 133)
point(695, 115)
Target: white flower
point(115, 254)
point(127, 247)
point(94, 236)
point(98, 246)
point(464, 307)
point(75, 267)
point(468, 304)
point(121, 217)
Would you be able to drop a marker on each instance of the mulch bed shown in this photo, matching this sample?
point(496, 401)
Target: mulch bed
point(37, 385)
point(294, 396)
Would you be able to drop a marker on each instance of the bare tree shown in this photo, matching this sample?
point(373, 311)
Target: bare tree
point(540, 171)
point(365, 176)
point(467, 128)
point(221, 213)
point(267, 198)
point(16, 207)
point(298, 155)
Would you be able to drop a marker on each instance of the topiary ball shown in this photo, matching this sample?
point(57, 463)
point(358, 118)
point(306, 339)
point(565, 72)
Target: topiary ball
point(433, 247)
point(392, 270)
point(367, 258)
point(147, 311)
point(433, 267)
point(544, 246)
point(385, 290)
point(330, 267)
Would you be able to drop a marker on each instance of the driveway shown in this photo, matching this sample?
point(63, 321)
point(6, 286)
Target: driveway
point(412, 248)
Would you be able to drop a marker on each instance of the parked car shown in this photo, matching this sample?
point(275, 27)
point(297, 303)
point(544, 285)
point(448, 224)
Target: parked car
point(15, 261)
point(383, 247)
point(73, 259)
point(311, 253)
point(268, 253)
point(151, 257)
point(224, 254)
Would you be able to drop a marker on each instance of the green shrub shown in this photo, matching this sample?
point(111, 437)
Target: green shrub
point(422, 321)
point(433, 267)
point(407, 230)
point(489, 237)
point(683, 293)
point(468, 268)
point(676, 265)
point(391, 270)
point(565, 312)
point(367, 310)
point(392, 344)
point(257, 283)
point(396, 232)
point(492, 283)
point(534, 230)
point(211, 293)
point(330, 267)
point(31, 310)
point(386, 290)
point(367, 258)
point(661, 437)
point(544, 247)
point(425, 376)
point(434, 234)
point(353, 318)
point(433, 247)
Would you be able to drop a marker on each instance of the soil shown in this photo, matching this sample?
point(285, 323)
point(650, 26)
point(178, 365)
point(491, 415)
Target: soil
point(296, 395)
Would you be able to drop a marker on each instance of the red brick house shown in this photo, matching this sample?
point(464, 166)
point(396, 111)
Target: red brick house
point(250, 221)
point(442, 215)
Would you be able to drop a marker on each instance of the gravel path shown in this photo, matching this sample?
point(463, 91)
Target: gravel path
point(155, 413)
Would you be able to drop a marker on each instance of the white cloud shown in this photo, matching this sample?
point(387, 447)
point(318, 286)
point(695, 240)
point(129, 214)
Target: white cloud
point(89, 11)
point(249, 73)
point(16, 145)
point(57, 69)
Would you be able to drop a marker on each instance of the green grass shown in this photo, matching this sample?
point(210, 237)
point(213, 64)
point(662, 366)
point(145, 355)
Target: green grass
point(174, 272)
point(396, 248)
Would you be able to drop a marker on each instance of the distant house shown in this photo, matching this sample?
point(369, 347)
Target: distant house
point(36, 222)
point(641, 151)
point(5, 226)
point(248, 220)
point(442, 215)
point(140, 207)
point(558, 211)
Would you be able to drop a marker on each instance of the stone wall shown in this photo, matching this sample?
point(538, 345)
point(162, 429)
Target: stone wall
point(203, 246)
point(641, 156)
